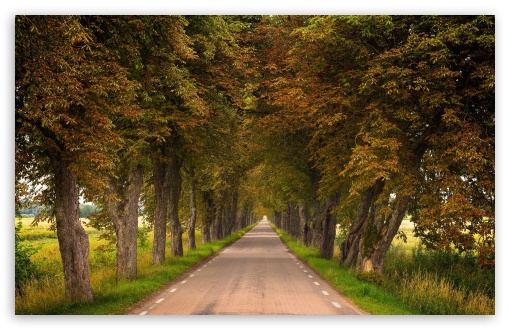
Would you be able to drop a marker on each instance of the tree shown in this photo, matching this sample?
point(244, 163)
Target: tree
point(159, 48)
point(455, 207)
point(413, 86)
point(375, 98)
point(67, 91)
point(187, 65)
point(292, 98)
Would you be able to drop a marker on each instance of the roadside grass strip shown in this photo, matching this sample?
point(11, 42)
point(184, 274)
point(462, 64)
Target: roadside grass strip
point(112, 298)
point(369, 297)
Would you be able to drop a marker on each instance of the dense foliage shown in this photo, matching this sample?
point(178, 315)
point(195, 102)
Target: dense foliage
point(209, 122)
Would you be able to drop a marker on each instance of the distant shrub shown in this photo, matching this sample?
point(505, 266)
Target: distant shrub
point(371, 277)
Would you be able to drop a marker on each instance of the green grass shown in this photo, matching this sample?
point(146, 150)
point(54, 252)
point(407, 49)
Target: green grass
point(370, 297)
point(46, 295)
point(415, 280)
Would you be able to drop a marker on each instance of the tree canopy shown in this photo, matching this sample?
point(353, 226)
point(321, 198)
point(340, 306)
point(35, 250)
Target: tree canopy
point(217, 120)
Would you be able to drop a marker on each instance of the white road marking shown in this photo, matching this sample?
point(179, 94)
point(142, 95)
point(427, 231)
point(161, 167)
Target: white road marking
point(183, 281)
point(337, 305)
point(199, 270)
point(159, 300)
point(316, 283)
point(305, 271)
point(300, 266)
point(310, 276)
point(192, 275)
point(173, 290)
point(144, 312)
point(325, 293)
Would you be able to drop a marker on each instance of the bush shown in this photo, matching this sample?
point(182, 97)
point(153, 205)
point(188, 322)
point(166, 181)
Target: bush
point(25, 269)
point(371, 277)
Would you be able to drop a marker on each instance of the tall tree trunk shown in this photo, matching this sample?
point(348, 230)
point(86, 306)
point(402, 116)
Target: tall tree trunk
point(294, 220)
point(208, 219)
point(124, 213)
point(372, 256)
point(373, 250)
point(328, 228)
point(72, 239)
point(278, 219)
point(216, 228)
point(193, 211)
point(161, 177)
point(174, 167)
point(317, 225)
point(350, 247)
point(304, 224)
point(231, 215)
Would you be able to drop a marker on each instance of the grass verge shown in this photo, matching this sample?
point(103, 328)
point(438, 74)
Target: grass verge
point(369, 297)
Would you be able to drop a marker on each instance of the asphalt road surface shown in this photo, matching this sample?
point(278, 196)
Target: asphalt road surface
point(257, 275)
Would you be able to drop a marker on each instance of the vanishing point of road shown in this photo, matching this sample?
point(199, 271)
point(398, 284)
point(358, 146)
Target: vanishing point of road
point(257, 275)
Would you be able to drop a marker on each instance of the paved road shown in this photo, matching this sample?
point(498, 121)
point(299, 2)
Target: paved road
point(257, 275)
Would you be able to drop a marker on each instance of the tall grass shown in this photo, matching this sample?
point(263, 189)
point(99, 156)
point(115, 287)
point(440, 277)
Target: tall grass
point(437, 282)
point(415, 280)
point(433, 294)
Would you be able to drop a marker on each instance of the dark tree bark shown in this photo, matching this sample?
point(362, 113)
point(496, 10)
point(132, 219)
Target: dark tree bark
point(210, 211)
point(231, 214)
point(72, 238)
point(318, 223)
point(217, 225)
point(328, 228)
point(174, 168)
point(278, 219)
point(304, 220)
point(372, 255)
point(294, 220)
point(350, 247)
point(161, 177)
point(124, 213)
point(375, 244)
point(193, 211)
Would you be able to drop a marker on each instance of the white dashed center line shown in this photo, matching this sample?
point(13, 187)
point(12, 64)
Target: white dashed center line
point(183, 281)
point(316, 283)
point(159, 300)
point(325, 293)
point(144, 312)
point(337, 305)
point(173, 290)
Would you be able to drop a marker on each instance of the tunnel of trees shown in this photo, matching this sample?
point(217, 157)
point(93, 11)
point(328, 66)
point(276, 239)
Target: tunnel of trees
point(210, 122)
